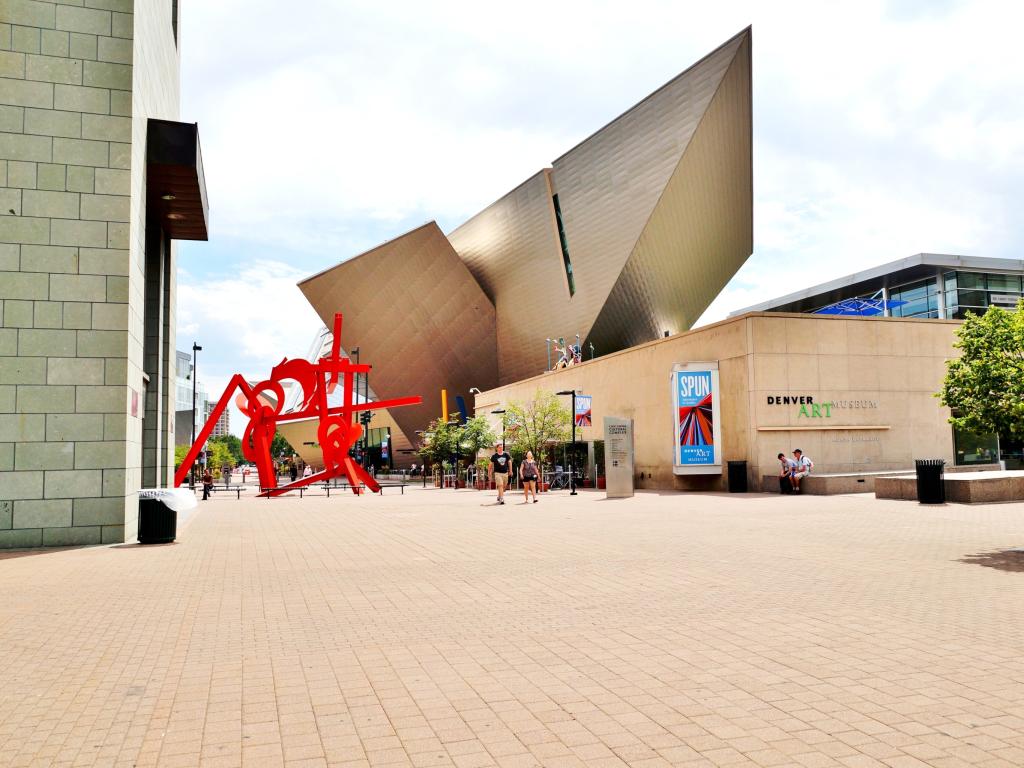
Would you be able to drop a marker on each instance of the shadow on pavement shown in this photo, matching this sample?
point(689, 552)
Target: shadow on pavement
point(1007, 560)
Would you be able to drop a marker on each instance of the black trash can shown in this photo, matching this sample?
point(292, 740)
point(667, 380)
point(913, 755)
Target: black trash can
point(158, 523)
point(930, 486)
point(737, 477)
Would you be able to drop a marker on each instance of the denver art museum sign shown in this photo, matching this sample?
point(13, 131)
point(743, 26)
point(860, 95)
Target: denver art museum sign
point(809, 409)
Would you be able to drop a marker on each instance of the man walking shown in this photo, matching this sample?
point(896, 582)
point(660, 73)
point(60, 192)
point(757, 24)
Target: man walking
point(207, 483)
point(501, 465)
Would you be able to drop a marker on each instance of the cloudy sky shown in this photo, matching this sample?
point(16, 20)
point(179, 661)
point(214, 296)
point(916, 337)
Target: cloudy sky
point(881, 129)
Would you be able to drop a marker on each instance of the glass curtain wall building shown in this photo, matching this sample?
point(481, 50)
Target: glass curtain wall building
point(956, 293)
point(927, 285)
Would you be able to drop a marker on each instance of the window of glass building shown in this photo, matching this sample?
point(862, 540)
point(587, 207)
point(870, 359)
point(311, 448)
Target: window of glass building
point(970, 280)
point(969, 448)
point(1003, 283)
point(921, 299)
point(1011, 452)
point(977, 291)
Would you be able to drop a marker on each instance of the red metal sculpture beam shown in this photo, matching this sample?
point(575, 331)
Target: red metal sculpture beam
point(337, 431)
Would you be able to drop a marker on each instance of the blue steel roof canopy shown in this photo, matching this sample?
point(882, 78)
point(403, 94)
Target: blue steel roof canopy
point(859, 306)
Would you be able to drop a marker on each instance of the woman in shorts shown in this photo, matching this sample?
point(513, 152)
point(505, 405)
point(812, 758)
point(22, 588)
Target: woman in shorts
point(528, 474)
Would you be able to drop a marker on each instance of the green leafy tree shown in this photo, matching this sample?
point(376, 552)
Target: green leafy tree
point(443, 441)
point(440, 441)
point(234, 446)
point(984, 387)
point(218, 457)
point(280, 446)
point(536, 424)
point(476, 434)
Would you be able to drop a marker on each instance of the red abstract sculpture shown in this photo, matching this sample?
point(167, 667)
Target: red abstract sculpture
point(263, 402)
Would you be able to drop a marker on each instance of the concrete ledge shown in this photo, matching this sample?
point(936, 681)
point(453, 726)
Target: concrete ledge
point(829, 485)
point(963, 487)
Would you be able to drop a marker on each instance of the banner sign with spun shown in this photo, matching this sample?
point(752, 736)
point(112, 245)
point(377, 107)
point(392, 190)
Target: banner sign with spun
point(697, 448)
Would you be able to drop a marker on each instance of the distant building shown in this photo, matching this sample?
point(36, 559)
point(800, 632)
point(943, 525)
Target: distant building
point(183, 423)
point(926, 285)
point(223, 425)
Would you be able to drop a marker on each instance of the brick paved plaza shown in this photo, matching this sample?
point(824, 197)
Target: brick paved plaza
point(427, 629)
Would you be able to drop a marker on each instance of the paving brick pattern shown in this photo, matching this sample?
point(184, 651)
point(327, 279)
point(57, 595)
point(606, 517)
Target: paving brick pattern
point(428, 630)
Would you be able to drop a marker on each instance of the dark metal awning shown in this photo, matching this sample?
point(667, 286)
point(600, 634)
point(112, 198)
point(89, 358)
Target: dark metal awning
point(175, 186)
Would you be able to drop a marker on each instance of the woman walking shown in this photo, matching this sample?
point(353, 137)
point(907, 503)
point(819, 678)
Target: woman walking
point(528, 474)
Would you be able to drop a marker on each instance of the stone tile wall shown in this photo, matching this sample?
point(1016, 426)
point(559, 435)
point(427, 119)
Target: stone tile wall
point(71, 215)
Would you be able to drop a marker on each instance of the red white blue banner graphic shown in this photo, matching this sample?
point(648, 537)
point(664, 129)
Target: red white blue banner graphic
point(582, 412)
point(695, 411)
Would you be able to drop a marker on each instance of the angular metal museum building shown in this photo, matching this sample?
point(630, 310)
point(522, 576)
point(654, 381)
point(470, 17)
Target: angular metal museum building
point(625, 238)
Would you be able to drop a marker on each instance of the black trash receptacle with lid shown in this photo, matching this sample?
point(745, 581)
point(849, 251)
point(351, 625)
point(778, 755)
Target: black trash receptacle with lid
point(158, 523)
point(930, 486)
point(737, 477)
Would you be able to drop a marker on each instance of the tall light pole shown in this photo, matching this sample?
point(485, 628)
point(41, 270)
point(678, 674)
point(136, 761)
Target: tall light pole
point(355, 386)
point(366, 415)
point(501, 411)
point(423, 467)
point(572, 477)
point(458, 450)
point(196, 348)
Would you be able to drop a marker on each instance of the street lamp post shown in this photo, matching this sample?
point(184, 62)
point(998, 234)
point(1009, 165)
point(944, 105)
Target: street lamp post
point(423, 467)
point(355, 386)
point(366, 416)
point(458, 445)
point(572, 476)
point(501, 411)
point(195, 348)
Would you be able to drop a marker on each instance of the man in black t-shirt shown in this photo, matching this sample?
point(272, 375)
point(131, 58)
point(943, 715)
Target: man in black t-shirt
point(501, 466)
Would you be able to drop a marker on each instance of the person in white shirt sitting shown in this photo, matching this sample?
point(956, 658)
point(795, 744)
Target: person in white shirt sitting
point(802, 467)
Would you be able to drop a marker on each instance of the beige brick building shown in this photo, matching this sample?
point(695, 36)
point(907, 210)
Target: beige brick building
point(873, 379)
point(95, 183)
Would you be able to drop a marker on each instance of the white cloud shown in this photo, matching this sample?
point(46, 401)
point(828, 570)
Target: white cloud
point(246, 322)
point(882, 129)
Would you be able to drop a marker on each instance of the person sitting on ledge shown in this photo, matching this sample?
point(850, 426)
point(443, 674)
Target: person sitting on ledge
point(785, 471)
point(802, 467)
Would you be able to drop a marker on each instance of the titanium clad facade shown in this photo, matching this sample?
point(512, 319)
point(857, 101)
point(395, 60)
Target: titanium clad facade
point(418, 317)
point(630, 234)
point(512, 249)
point(698, 235)
point(609, 189)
